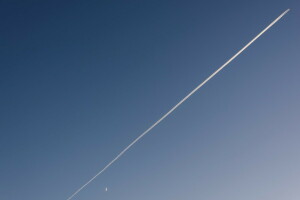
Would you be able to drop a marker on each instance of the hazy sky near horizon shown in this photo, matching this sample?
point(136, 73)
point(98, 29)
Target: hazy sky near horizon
point(80, 80)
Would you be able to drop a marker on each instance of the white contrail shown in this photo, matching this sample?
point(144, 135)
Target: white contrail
point(178, 104)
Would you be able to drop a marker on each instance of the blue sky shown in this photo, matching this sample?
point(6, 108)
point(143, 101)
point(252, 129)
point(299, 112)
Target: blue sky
point(80, 80)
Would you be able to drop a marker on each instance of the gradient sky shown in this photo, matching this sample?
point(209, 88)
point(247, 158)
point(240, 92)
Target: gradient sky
point(79, 80)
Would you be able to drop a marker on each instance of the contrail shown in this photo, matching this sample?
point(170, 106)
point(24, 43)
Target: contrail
point(178, 104)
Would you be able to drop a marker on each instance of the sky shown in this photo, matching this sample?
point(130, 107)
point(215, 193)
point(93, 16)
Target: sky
point(80, 80)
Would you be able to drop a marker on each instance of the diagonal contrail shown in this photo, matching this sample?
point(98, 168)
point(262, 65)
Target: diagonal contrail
point(178, 104)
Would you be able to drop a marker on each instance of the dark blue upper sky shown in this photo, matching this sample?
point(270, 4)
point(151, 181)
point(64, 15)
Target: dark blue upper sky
point(79, 80)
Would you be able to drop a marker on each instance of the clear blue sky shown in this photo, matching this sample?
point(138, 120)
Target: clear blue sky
point(79, 80)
